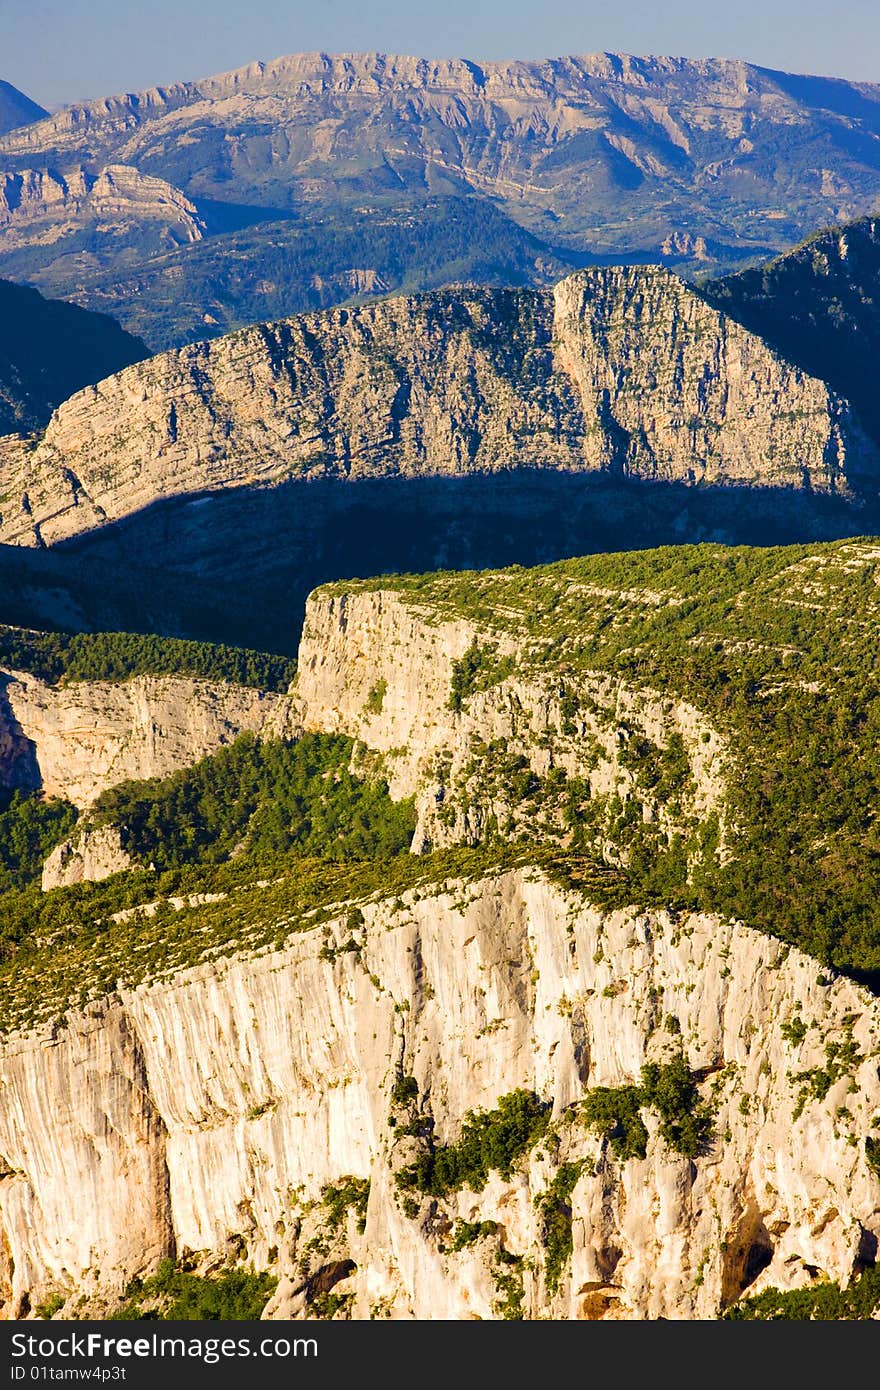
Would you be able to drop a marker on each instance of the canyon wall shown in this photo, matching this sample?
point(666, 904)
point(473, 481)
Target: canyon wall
point(76, 740)
point(208, 1112)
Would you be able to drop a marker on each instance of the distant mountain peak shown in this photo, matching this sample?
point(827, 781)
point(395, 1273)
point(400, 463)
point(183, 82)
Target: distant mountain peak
point(345, 71)
point(16, 109)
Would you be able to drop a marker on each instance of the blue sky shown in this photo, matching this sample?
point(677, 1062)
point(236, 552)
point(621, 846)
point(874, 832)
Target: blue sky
point(62, 50)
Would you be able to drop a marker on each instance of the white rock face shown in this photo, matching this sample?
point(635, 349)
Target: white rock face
point(74, 741)
point(207, 1111)
point(83, 1114)
point(39, 207)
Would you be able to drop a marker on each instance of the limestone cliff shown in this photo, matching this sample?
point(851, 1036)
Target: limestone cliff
point(818, 305)
point(621, 373)
point(79, 216)
point(250, 1074)
point(453, 759)
point(37, 205)
point(208, 1112)
point(74, 741)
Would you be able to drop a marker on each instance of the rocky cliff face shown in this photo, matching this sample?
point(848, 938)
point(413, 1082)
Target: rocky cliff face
point(92, 854)
point(818, 305)
point(221, 1103)
point(84, 216)
point(453, 759)
point(38, 204)
point(74, 741)
point(618, 374)
point(224, 1103)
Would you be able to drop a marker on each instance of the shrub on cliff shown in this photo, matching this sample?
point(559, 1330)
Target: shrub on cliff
point(174, 1294)
point(490, 1141)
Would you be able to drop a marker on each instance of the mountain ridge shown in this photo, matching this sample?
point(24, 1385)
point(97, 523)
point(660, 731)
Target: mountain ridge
point(624, 372)
point(342, 66)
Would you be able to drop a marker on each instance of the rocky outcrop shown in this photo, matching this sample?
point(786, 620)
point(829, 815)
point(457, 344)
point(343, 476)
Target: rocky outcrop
point(706, 402)
point(74, 741)
point(93, 853)
point(78, 740)
point(113, 1119)
point(221, 1103)
point(618, 374)
point(43, 205)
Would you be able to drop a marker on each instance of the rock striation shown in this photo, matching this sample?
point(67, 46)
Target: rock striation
point(220, 1103)
point(622, 374)
point(818, 306)
point(209, 1112)
point(43, 205)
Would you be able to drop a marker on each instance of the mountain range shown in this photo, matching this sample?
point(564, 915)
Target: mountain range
point(696, 164)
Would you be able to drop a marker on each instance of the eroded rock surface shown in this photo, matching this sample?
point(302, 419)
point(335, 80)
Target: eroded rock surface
point(74, 741)
point(221, 1102)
